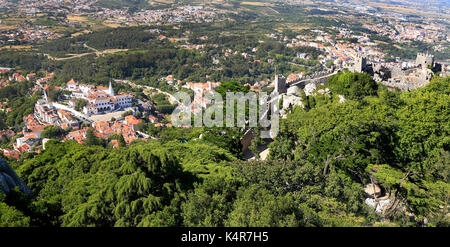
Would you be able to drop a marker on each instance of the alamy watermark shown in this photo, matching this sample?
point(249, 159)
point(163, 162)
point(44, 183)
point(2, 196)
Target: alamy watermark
point(248, 110)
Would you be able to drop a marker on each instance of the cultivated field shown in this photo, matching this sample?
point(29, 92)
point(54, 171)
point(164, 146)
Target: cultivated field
point(17, 47)
point(261, 4)
point(7, 27)
point(77, 18)
point(81, 33)
point(155, 2)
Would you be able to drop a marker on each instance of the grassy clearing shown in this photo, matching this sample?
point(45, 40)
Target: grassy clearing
point(260, 4)
point(17, 47)
point(381, 42)
point(109, 24)
point(7, 27)
point(155, 2)
point(77, 18)
point(81, 33)
point(293, 27)
point(13, 21)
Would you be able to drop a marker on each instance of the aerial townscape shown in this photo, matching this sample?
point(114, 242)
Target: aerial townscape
point(88, 90)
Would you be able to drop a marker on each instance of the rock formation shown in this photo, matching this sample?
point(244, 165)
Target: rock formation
point(9, 179)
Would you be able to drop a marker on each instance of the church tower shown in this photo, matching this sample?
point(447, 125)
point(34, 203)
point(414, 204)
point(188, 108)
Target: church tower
point(110, 90)
point(45, 96)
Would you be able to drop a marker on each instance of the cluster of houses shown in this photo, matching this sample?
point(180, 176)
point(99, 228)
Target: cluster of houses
point(17, 76)
point(31, 134)
point(430, 33)
point(44, 115)
point(99, 99)
point(200, 89)
point(27, 33)
point(126, 128)
point(34, 124)
point(104, 130)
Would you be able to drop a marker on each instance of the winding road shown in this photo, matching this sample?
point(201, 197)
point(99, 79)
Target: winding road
point(94, 51)
point(172, 98)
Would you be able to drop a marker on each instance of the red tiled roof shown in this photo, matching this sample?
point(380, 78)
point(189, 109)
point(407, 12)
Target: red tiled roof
point(11, 153)
point(132, 120)
point(72, 81)
point(115, 143)
point(25, 147)
point(33, 136)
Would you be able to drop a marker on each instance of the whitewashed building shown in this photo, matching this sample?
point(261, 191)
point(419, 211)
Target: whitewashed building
point(100, 99)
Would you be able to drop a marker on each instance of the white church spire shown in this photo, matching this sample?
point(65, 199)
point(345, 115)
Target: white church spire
point(45, 96)
point(110, 91)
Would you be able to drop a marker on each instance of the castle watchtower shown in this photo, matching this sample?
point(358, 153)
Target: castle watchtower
point(360, 63)
point(424, 60)
point(280, 84)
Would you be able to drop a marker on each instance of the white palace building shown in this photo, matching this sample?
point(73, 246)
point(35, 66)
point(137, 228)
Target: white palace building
point(100, 99)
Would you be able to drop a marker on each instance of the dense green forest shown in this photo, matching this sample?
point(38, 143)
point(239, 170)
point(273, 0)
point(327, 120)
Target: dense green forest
point(315, 174)
point(23, 60)
point(119, 38)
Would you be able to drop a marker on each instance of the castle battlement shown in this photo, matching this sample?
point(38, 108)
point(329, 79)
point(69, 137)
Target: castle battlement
point(424, 59)
point(423, 54)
